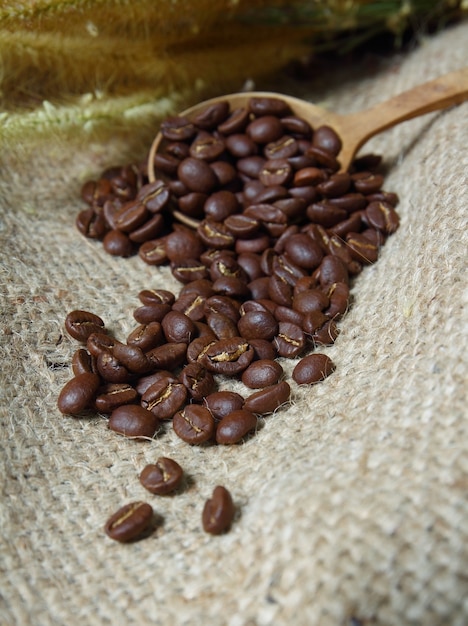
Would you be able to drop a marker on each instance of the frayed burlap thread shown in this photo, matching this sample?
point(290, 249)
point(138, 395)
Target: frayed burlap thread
point(352, 502)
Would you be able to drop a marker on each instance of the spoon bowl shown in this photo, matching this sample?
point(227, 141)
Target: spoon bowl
point(354, 129)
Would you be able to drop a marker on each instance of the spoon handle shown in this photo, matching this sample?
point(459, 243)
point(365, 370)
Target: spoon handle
point(434, 95)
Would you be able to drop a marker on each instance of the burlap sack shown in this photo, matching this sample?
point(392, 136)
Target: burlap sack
point(352, 502)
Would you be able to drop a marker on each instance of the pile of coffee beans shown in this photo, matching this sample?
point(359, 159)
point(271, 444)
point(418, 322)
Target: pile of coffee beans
point(265, 235)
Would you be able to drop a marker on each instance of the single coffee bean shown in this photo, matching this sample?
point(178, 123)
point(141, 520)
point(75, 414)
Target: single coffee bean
point(132, 357)
point(361, 248)
point(197, 175)
point(162, 477)
point(78, 393)
point(326, 335)
point(266, 105)
point(221, 403)
point(82, 362)
point(129, 522)
point(258, 325)
point(156, 296)
point(194, 424)
point(145, 382)
point(148, 231)
point(178, 327)
point(131, 216)
point(151, 313)
point(100, 342)
point(235, 426)
point(263, 349)
point(153, 252)
point(81, 324)
point(155, 196)
point(290, 340)
point(146, 336)
point(367, 182)
point(227, 356)
point(207, 147)
point(240, 145)
point(382, 216)
point(265, 129)
point(113, 395)
point(91, 223)
point(218, 512)
point(164, 397)
point(312, 369)
point(198, 381)
point(213, 115)
point(262, 373)
point(268, 399)
point(117, 243)
point(134, 421)
point(327, 139)
point(111, 369)
point(177, 128)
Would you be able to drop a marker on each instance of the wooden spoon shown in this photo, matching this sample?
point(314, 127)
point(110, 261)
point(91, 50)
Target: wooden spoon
point(354, 129)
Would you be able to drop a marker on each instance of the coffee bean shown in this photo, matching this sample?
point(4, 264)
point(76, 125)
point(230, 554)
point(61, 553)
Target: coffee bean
point(194, 424)
point(258, 325)
point(129, 522)
point(162, 477)
point(218, 512)
point(198, 381)
point(81, 324)
point(221, 403)
point(197, 175)
point(382, 216)
point(177, 128)
point(155, 196)
point(212, 116)
point(164, 397)
point(312, 369)
point(178, 327)
point(207, 147)
point(146, 336)
point(113, 395)
point(262, 373)
point(227, 356)
point(134, 421)
point(78, 393)
point(82, 362)
point(268, 399)
point(327, 139)
point(265, 129)
point(235, 426)
point(290, 340)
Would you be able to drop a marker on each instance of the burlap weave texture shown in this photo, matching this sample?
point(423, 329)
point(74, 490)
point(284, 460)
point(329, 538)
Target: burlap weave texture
point(353, 502)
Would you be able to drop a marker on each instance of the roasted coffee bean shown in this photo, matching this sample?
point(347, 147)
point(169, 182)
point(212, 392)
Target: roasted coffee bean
point(223, 304)
point(182, 245)
point(258, 325)
point(265, 129)
point(146, 336)
point(236, 122)
point(99, 342)
point(78, 393)
point(132, 357)
point(332, 270)
point(361, 248)
point(263, 349)
point(231, 287)
point(227, 356)
point(168, 356)
point(220, 205)
point(153, 252)
point(151, 313)
point(207, 147)
point(349, 202)
point(143, 383)
point(255, 245)
point(335, 186)
point(290, 340)
point(221, 403)
point(178, 327)
point(266, 105)
point(338, 295)
point(326, 335)
point(325, 214)
point(198, 347)
point(197, 175)
point(156, 296)
point(151, 229)
point(155, 196)
point(283, 148)
point(194, 424)
point(218, 512)
point(262, 373)
point(95, 193)
point(296, 126)
point(192, 204)
point(130, 522)
point(312, 369)
point(310, 300)
point(221, 325)
point(268, 399)
point(91, 223)
point(111, 369)
point(113, 395)
point(134, 421)
point(215, 235)
point(276, 172)
point(303, 251)
point(130, 216)
point(83, 362)
point(367, 182)
point(240, 145)
point(382, 216)
point(164, 397)
point(118, 243)
point(312, 322)
point(198, 381)
point(81, 324)
point(323, 158)
point(162, 477)
point(212, 116)
point(285, 314)
point(177, 128)
point(326, 138)
point(352, 224)
point(235, 426)
point(189, 270)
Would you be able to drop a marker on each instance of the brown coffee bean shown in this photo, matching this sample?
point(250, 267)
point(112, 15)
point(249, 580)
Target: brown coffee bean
point(326, 138)
point(207, 146)
point(153, 252)
point(218, 512)
point(146, 336)
point(268, 399)
point(198, 381)
point(213, 115)
point(197, 175)
point(148, 231)
point(262, 373)
point(82, 362)
point(266, 105)
point(111, 369)
point(130, 216)
point(312, 369)
point(155, 196)
point(290, 340)
point(134, 421)
point(361, 248)
point(118, 243)
point(132, 357)
point(113, 395)
point(326, 334)
point(99, 342)
point(178, 327)
point(164, 397)
point(151, 313)
point(215, 235)
point(177, 128)
point(162, 477)
point(91, 223)
point(227, 356)
point(221, 403)
point(81, 324)
point(367, 182)
point(78, 393)
point(234, 427)
point(382, 216)
point(194, 424)
point(276, 172)
point(258, 325)
point(130, 522)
